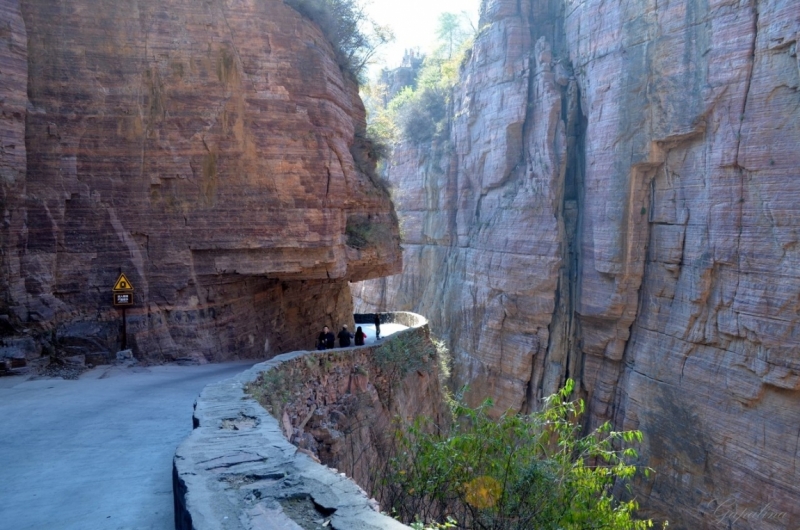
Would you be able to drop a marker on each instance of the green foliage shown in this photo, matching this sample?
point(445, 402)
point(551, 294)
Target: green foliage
point(422, 118)
point(362, 232)
point(451, 32)
point(418, 113)
point(445, 361)
point(368, 150)
point(516, 472)
point(274, 388)
point(448, 28)
point(381, 129)
point(403, 354)
point(353, 35)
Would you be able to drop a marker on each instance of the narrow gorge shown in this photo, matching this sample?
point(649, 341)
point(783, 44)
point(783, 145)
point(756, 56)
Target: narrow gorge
point(616, 201)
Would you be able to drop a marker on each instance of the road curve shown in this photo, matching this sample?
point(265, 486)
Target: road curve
point(96, 453)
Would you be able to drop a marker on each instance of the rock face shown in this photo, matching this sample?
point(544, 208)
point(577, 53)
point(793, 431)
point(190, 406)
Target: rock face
point(13, 107)
point(210, 151)
point(620, 207)
point(483, 228)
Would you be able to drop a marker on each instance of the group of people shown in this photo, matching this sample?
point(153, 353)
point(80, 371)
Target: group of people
point(326, 340)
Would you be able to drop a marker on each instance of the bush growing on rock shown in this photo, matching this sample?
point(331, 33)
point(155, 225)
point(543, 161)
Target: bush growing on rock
point(422, 118)
point(363, 232)
point(515, 472)
point(353, 35)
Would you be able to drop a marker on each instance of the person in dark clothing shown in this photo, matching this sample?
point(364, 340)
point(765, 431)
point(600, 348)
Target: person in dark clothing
point(326, 339)
point(377, 326)
point(344, 337)
point(360, 336)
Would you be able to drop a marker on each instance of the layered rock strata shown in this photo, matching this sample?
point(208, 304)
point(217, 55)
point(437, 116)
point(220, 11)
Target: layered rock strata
point(620, 207)
point(483, 228)
point(13, 160)
point(213, 152)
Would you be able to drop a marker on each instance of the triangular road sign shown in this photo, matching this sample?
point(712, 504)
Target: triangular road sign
point(123, 284)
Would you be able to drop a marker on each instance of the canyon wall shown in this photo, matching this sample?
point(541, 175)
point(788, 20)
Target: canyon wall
point(212, 151)
point(617, 203)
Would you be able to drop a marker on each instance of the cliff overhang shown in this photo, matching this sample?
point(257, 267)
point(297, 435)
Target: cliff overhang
point(210, 151)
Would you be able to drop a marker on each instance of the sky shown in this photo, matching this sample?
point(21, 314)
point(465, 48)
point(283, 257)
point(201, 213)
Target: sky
point(414, 23)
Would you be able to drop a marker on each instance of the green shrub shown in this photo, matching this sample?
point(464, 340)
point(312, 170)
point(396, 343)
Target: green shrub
point(381, 129)
point(418, 112)
point(445, 360)
point(353, 35)
point(516, 472)
point(362, 232)
point(368, 149)
point(403, 354)
point(422, 118)
point(273, 389)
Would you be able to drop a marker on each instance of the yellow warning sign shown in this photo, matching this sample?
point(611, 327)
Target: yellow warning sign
point(123, 284)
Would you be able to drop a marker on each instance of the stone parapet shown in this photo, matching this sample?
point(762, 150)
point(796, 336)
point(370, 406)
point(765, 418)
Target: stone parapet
point(237, 469)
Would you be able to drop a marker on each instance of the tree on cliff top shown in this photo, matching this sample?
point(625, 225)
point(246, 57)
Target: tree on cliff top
point(452, 32)
point(354, 36)
point(418, 112)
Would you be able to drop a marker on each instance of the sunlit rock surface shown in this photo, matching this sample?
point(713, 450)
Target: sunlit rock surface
point(208, 150)
point(624, 212)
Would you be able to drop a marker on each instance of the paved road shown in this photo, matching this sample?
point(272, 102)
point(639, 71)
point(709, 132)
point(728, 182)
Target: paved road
point(96, 453)
point(386, 330)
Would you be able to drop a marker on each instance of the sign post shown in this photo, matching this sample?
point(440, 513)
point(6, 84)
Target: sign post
point(123, 297)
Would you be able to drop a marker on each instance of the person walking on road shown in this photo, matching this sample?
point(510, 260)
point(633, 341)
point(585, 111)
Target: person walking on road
point(360, 336)
point(377, 326)
point(344, 337)
point(326, 339)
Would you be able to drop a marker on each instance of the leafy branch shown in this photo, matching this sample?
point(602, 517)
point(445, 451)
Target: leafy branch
point(514, 472)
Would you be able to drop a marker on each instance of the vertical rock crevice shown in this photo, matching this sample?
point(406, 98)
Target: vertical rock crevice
point(572, 209)
point(561, 359)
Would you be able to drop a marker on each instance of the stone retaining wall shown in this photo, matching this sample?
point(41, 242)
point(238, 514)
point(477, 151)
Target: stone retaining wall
point(342, 405)
point(237, 470)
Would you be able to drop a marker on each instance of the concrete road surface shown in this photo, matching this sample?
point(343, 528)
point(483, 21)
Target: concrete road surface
point(386, 330)
point(96, 453)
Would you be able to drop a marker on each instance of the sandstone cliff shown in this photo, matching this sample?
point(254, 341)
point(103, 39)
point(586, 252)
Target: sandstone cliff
point(212, 151)
point(618, 204)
